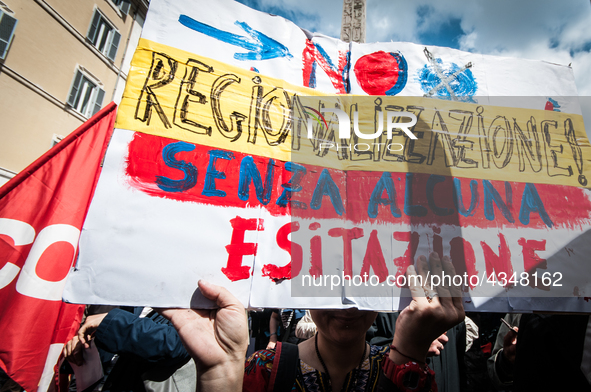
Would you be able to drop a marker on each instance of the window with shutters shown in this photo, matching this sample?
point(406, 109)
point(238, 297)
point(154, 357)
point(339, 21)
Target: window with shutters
point(86, 97)
point(122, 5)
point(7, 26)
point(103, 35)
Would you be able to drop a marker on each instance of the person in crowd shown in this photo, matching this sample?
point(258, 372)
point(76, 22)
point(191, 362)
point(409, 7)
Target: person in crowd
point(444, 362)
point(502, 361)
point(545, 352)
point(553, 353)
point(474, 343)
point(282, 326)
point(274, 323)
point(337, 358)
point(260, 320)
point(149, 353)
point(305, 328)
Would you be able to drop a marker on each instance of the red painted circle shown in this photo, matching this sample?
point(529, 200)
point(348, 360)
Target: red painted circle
point(377, 72)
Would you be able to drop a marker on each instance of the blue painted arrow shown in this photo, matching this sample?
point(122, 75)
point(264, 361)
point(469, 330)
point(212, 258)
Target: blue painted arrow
point(260, 46)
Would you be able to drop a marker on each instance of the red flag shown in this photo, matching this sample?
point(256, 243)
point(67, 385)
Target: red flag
point(41, 214)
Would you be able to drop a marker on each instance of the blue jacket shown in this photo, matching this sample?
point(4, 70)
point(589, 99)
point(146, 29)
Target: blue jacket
point(145, 346)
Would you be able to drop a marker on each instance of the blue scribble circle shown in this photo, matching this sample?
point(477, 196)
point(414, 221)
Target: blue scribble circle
point(402, 74)
point(463, 85)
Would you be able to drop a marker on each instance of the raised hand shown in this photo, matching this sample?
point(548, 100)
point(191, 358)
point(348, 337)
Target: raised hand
point(432, 311)
point(510, 344)
point(216, 339)
point(73, 351)
point(437, 345)
point(87, 330)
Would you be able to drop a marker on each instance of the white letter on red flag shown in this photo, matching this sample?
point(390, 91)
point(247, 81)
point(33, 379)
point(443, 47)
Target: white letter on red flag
point(42, 210)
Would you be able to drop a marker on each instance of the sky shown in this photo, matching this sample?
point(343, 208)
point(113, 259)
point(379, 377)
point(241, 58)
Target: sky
point(550, 30)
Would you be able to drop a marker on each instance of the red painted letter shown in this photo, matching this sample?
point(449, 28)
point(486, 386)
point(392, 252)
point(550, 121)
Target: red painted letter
point(500, 263)
point(348, 236)
point(463, 258)
point(238, 248)
point(374, 258)
point(408, 258)
point(294, 267)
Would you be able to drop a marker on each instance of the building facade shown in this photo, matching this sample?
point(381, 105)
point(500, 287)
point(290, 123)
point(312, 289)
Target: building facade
point(60, 62)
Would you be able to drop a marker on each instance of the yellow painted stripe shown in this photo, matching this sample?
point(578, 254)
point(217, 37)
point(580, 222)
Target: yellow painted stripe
point(183, 96)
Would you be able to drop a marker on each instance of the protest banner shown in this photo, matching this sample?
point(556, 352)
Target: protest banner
point(41, 214)
point(246, 176)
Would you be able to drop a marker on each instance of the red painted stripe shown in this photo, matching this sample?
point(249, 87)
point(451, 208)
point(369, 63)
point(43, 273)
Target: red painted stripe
point(567, 207)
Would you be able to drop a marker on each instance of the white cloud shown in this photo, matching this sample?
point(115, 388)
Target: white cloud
point(541, 30)
point(468, 41)
point(314, 15)
point(582, 67)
